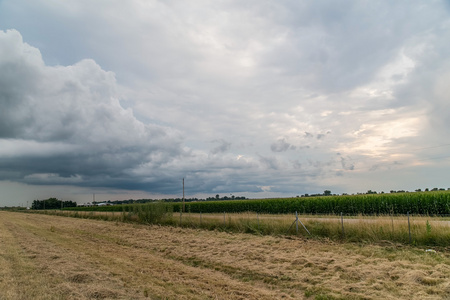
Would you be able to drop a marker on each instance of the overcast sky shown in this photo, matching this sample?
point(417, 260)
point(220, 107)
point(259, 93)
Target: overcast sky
point(252, 98)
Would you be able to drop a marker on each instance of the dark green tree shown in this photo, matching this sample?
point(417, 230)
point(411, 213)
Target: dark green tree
point(52, 203)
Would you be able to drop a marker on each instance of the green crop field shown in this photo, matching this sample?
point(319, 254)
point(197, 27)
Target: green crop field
point(423, 203)
point(379, 217)
point(418, 203)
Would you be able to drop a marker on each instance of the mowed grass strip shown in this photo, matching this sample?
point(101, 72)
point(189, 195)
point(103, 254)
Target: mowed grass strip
point(90, 258)
point(20, 277)
point(87, 260)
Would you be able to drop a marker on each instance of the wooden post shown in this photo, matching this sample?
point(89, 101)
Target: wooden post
point(342, 221)
point(224, 219)
point(296, 222)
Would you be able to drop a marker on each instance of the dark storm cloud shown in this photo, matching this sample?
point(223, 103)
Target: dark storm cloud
point(76, 107)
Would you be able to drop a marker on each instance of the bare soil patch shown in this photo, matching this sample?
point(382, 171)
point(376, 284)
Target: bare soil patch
point(51, 257)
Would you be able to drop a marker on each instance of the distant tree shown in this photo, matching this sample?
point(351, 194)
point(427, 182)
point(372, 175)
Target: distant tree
point(36, 204)
point(52, 203)
point(69, 204)
point(327, 193)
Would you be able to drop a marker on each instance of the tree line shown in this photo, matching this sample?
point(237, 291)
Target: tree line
point(52, 203)
point(142, 201)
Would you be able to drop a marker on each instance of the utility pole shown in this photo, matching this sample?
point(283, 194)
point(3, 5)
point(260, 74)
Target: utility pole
point(184, 210)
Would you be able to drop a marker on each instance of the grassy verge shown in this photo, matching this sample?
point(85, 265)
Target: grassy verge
point(419, 230)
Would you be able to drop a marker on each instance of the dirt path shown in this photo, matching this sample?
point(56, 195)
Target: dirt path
point(49, 257)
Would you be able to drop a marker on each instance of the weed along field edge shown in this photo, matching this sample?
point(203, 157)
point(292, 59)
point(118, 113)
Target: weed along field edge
point(54, 257)
point(415, 230)
point(419, 218)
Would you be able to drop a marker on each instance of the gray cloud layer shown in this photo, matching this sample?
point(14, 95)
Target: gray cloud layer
point(277, 96)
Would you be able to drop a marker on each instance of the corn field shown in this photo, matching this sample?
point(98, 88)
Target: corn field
point(436, 203)
point(419, 203)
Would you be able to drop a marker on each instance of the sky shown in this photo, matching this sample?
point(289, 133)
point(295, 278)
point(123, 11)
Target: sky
point(124, 99)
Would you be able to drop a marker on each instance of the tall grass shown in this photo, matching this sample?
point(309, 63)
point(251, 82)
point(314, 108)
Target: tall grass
point(260, 216)
point(150, 213)
point(425, 231)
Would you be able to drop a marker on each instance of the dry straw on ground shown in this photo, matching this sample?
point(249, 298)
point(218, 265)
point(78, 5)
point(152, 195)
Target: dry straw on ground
point(51, 257)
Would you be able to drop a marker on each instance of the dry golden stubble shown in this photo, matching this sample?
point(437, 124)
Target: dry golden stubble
point(85, 259)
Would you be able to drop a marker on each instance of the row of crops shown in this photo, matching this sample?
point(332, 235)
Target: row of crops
point(427, 203)
point(423, 203)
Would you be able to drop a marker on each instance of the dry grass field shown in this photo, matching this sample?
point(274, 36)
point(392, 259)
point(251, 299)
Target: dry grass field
point(53, 257)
